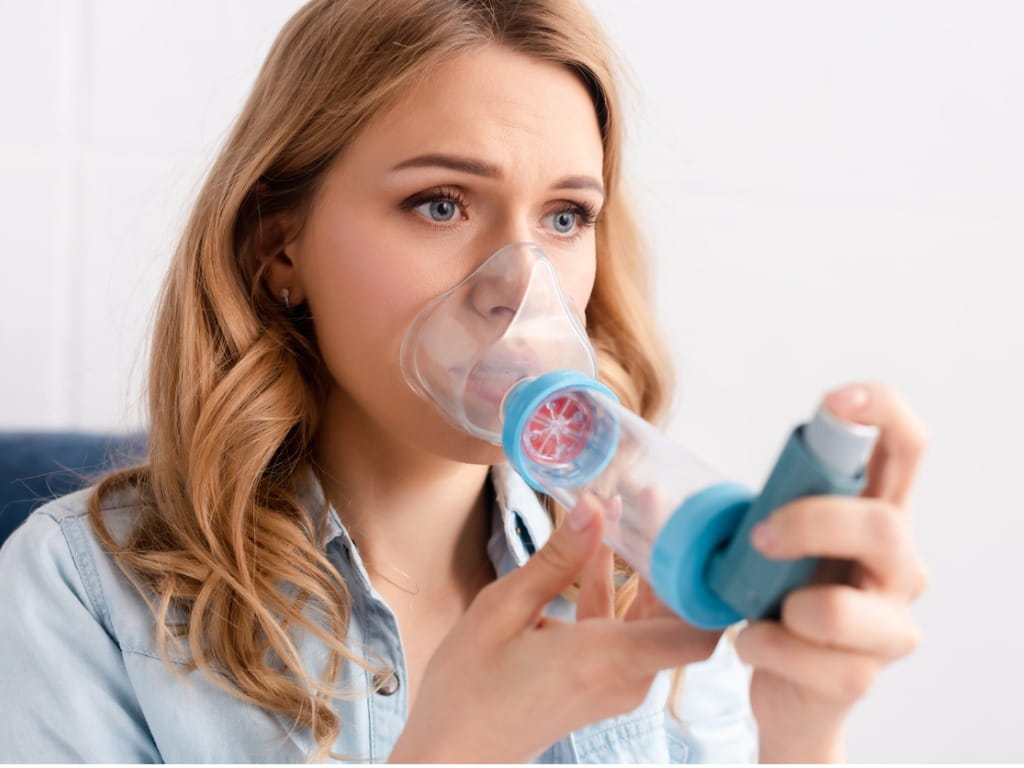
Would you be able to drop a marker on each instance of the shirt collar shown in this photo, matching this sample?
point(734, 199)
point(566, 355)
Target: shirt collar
point(520, 524)
point(524, 522)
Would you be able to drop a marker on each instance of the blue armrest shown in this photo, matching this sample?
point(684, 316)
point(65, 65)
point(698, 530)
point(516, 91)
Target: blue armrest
point(38, 466)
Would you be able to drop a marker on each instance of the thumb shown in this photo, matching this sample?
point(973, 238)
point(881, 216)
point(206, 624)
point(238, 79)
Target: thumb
point(559, 562)
point(848, 402)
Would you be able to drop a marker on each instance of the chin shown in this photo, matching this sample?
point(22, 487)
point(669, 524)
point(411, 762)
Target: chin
point(464, 448)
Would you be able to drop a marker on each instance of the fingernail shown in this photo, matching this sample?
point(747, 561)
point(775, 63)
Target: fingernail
point(580, 516)
point(848, 398)
point(762, 536)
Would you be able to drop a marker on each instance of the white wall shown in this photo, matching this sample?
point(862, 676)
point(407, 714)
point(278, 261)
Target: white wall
point(834, 189)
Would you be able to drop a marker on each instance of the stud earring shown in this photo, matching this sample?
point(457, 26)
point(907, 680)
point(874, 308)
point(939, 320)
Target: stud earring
point(286, 295)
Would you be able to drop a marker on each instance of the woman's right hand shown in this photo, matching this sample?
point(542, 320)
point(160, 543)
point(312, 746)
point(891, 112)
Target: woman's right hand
point(507, 682)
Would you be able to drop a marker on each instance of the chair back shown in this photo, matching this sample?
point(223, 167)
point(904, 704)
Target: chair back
point(36, 467)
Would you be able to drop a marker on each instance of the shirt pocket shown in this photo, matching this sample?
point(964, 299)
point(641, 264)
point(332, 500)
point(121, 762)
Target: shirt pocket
point(638, 737)
point(679, 747)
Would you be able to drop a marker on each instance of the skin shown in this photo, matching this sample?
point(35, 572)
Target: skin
point(832, 640)
point(824, 654)
point(490, 678)
point(408, 485)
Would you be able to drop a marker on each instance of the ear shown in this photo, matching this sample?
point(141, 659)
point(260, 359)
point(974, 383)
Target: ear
point(276, 249)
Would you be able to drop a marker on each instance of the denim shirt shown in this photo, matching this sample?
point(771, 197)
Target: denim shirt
point(81, 680)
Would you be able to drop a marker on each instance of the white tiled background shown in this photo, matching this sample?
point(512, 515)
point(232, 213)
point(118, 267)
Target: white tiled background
point(835, 191)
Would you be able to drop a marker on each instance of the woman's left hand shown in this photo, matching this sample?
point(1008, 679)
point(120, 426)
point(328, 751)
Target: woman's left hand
point(810, 667)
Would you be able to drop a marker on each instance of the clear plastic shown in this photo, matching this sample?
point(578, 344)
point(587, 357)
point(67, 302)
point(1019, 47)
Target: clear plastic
point(581, 440)
point(507, 326)
point(503, 355)
point(506, 322)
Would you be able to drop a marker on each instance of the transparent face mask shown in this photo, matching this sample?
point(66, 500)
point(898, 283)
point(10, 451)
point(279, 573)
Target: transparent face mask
point(507, 322)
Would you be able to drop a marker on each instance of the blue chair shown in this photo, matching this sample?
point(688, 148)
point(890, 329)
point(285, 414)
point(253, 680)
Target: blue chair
point(38, 466)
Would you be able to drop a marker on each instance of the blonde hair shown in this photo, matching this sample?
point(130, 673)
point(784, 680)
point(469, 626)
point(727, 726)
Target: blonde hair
point(224, 545)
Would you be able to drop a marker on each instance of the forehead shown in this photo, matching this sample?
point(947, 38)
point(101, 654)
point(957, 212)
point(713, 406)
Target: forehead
point(509, 109)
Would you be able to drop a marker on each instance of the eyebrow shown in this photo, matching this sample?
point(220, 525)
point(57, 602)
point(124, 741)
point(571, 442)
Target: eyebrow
point(480, 168)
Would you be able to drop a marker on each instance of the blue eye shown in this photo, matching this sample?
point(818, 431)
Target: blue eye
point(438, 210)
point(564, 222)
point(439, 206)
point(572, 219)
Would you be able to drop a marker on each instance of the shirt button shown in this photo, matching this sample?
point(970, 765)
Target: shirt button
point(386, 683)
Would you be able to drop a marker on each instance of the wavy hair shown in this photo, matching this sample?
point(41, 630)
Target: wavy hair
point(225, 552)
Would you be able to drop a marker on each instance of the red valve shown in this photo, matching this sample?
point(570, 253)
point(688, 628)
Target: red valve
point(559, 429)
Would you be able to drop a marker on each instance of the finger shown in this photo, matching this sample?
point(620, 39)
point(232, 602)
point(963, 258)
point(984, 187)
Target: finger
point(897, 456)
point(597, 587)
point(836, 675)
point(868, 531)
point(522, 595)
point(646, 604)
point(664, 643)
point(850, 619)
point(640, 607)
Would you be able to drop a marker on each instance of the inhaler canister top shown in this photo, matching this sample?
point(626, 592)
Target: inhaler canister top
point(843, 447)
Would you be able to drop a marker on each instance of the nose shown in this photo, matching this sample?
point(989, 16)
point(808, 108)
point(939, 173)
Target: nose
point(498, 288)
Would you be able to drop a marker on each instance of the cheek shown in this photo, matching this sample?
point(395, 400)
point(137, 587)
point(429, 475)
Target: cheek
point(358, 295)
point(364, 287)
point(577, 278)
point(586, 288)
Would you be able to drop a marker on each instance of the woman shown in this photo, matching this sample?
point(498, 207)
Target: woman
point(312, 562)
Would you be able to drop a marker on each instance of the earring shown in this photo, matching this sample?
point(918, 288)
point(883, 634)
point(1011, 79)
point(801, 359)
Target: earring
point(286, 295)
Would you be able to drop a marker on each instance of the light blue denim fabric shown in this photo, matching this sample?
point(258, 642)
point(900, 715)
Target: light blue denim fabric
point(81, 680)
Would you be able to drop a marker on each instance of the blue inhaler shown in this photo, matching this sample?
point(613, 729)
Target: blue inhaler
point(504, 356)
point(674, 519)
